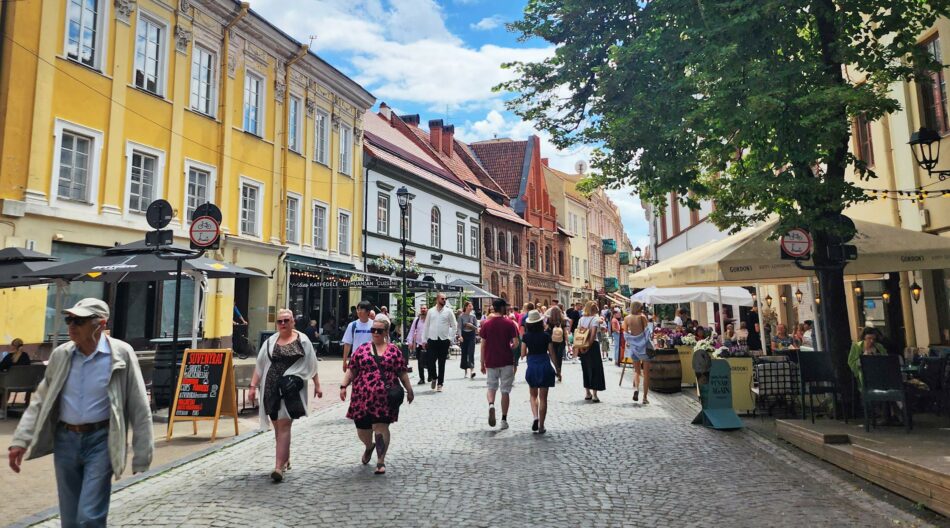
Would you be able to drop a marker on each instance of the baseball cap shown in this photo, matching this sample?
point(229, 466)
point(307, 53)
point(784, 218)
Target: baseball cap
point(89, 307)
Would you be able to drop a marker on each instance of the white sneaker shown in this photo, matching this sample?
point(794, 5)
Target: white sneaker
point(504, 425)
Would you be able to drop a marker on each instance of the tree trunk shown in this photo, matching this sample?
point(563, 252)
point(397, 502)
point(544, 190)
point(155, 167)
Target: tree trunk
point(833, 314)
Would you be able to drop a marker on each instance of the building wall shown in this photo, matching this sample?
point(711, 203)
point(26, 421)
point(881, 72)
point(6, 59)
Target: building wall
point(505, 277)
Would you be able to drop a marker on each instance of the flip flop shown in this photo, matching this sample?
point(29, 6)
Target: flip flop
point(588, 397)
point(368, 454)
point(380, 469)
point(596, 400)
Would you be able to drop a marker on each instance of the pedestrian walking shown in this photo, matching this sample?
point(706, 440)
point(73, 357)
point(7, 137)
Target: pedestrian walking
point(440, 331)
point(637, 334)
point(538, 350)
point(285, 362)
point(417, 342)
point(557, 329)
point(468, 326)
point(499, 335)
point(376, 371)
point(91, 395)
point(358, 330)
point(588, 349)
point(616, 338)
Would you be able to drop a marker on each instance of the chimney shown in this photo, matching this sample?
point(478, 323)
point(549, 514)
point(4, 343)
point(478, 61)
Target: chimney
point(435, 134)
point(385, 111)
point(411, 119)
point(448, 140)
point(544, 161)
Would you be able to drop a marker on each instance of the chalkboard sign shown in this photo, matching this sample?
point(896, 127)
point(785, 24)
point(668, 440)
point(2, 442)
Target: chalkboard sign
point(205, 389)
point(716, 396)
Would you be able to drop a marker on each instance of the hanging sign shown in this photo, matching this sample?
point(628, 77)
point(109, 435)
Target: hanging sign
point(796, 244)
point(205, 390)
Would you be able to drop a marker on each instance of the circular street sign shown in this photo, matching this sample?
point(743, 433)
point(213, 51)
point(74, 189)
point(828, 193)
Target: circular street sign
point(207, 209)
point(797, 243)
point(204, 231)
point(159, 214)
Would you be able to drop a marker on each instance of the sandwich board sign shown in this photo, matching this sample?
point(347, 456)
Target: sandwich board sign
point(716, 396)
point(205, 390)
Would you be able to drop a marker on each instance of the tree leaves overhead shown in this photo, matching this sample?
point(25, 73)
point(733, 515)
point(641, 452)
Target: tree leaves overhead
point(747, 102)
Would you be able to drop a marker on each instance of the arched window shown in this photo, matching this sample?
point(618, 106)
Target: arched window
point(515, 250)
point(519, 290)
point(532, 256)
point(502, 247)
point(489, 254)
point(560, 262)
point(436, 229)
point(494, 282)
point(547, 259)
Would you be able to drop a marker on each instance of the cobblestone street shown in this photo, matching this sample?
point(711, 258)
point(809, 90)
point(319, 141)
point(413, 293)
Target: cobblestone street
point(612, 464)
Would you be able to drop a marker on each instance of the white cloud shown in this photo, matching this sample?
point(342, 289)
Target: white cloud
point(488, 23)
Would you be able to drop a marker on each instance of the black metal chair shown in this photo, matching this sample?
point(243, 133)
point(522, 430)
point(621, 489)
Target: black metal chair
point(932, 371)
point(883, 383)
point(817, 376)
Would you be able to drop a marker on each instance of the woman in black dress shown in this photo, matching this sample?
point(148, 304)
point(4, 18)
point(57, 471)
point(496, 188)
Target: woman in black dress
point(591, 364)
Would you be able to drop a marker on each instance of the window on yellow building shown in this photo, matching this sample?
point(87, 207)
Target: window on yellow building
point(932, 89)
point(253, 103)
point(862, 135)
point(142, 181)
point(150, 54)
point(293, 124)
point(321, 137)
point(75, 161)
point(83, 26)
point(319, 226)
point(344, 232)
point(293, 220)
point(346, 150)
point(203, 80)
point(251, 208)
point(199, 190)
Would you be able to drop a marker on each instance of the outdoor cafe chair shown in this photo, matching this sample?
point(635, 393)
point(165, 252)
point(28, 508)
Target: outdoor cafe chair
point(24, 378)
point(932, 371)
point(883, 383)
point(817, 376)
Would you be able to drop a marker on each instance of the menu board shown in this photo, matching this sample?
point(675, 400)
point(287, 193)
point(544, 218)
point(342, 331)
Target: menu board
point(205, 389)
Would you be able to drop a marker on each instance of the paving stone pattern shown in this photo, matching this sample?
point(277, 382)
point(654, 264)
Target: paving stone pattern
point(610, 464)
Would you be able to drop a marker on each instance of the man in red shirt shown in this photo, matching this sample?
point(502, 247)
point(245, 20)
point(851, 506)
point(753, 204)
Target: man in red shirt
point(499, 335)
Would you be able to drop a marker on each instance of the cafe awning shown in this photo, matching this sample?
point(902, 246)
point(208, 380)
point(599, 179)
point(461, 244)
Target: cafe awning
point(726, 295)
point(749, 256)
point(471, 290)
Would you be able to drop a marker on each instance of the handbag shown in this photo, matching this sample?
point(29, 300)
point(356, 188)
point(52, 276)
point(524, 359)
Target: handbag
point(395, 394)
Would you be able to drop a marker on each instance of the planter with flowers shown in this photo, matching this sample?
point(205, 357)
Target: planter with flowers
point(383, 265)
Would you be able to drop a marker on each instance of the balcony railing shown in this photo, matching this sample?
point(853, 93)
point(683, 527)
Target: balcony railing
point(610, 246)
point(611, 284)
point(624, 258)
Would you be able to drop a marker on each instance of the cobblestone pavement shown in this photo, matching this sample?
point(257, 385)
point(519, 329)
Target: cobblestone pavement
point(610, 464)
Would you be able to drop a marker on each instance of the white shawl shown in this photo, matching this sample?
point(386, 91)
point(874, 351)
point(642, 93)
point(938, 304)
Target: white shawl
point(305, 368)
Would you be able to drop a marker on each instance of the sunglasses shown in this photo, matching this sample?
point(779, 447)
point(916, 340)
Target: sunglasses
point(284, 321)
point(78, 321)
point(377, 330)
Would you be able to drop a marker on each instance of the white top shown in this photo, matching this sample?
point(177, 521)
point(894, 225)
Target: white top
point(441, 324)
point(357, 333)
point(590, 321)
point(678, 321)
point(305, 368)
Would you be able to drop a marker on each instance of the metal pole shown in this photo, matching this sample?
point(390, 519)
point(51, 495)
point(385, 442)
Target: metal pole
point(177, 306)
point(758, 310)
point(402, 301)
point(722, 315)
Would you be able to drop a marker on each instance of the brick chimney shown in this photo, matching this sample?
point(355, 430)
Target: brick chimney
point(435, 134)
point(410, 119)
point(448, 140)
point(385, 111)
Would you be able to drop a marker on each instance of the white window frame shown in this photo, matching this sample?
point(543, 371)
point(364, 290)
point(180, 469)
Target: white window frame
point(346, 150)
point(347, 233)
point(95, 159)
point(294, 142)
point(244, 181)
point(382, 220)
point(321, 138)
point(261, 100)
point(313, 224)
point(102, 36)
point(297, 223)
point(212, 182)
point(435, 228)
point(212, 85)
point(158, 187)
point(460, 236)
point(160, 82)
point(475, 236)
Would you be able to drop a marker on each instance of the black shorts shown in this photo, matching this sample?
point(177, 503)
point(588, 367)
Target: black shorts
point(367, 422)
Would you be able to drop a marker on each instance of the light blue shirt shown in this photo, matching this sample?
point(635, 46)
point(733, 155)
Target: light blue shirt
point(85, 395)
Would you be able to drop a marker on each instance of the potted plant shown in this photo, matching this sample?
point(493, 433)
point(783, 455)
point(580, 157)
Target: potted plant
point(383, 265)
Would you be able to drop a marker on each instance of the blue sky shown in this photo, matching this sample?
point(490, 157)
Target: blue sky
point(437, 58)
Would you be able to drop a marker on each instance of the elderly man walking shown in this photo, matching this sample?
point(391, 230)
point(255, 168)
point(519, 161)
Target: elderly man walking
point(91, 395)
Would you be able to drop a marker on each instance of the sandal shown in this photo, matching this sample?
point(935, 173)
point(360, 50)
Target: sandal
point(588, 397)
point(277, 476)
point(380, 469)
point(636, 395)
point(368, 454)
point(645, 402)
point(596, 400)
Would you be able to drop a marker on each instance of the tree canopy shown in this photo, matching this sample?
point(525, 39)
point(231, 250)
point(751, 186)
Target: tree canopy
point(746, 102)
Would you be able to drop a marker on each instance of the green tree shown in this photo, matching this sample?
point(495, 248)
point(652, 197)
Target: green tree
point(746, 102)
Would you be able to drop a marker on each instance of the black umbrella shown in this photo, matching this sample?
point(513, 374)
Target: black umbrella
point(16, 262)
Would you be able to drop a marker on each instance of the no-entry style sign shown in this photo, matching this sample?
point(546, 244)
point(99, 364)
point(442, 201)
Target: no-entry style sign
point(204, 232)
point(796, 243)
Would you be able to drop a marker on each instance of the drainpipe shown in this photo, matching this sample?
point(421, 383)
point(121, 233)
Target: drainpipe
point(366, 204)
point(301, 53)
point(223, 83)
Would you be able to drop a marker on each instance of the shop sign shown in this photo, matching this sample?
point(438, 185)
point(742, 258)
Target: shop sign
point(716, 396)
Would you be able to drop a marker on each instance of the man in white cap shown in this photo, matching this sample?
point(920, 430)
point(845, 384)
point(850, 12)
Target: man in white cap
point(91, 395)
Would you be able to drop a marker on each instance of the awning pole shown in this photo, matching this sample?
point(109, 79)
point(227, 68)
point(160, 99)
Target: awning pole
point(60, 286)
point(758, 309)
point(722, 328)
point(196, 307)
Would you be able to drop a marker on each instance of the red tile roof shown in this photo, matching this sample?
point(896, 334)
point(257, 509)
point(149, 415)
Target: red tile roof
point(504, 159)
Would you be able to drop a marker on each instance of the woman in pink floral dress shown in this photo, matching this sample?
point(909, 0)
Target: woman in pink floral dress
point(373, 368)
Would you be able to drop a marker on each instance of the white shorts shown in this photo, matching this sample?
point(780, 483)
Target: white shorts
point(503, 376)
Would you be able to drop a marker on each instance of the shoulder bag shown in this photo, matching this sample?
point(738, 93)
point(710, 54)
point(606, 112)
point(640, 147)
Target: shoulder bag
point(394, 392)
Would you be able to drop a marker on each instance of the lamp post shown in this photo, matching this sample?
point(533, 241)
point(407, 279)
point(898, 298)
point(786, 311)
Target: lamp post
point(925, 144)
point(403, 197)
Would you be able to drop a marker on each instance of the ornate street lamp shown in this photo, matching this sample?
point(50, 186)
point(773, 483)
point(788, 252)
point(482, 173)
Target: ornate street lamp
point(783, 298)
point(915, 290)
point(768, 301)
point(798, 295)
point(403, 198)
point(925, 144)
point(637, 252)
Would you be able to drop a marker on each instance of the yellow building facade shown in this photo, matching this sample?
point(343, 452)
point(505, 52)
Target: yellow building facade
point(107, 105)
point(572, 212)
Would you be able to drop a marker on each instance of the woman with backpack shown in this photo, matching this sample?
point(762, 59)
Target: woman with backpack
point(587, 347)
point(557, 330)
point(637, 334)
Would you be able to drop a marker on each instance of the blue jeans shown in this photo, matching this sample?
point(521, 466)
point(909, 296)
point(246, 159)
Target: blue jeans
point(83, 477)
point(615, 345)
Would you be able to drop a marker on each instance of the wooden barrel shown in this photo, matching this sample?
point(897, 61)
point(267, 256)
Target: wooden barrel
point(666, 373)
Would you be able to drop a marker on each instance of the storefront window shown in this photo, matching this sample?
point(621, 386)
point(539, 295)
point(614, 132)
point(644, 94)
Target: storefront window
point(186, 308)
point(77, 290)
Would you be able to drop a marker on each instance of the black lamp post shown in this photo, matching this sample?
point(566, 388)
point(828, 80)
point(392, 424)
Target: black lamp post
point(403, 197)
point(925, 144)
point(641, 262)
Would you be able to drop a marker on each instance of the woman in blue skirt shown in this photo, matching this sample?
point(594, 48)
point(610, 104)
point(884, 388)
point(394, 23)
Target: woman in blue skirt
point(537, 347)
